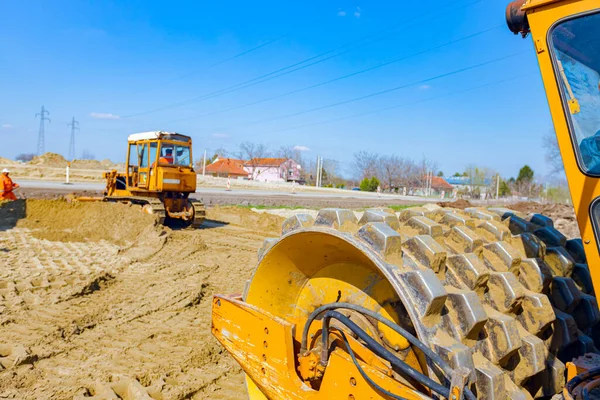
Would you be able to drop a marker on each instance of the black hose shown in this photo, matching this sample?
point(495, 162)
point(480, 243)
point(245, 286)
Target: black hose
point(577, 380)
point(381, 351)
point(390, 324)
point(435, 358)
point(580, 379)
point(364, 374)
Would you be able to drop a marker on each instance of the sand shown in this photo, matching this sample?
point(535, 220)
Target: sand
point(100, 301)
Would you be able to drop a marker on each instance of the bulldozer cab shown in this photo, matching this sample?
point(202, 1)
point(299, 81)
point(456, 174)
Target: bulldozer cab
point(159, 161)
point(566, 37)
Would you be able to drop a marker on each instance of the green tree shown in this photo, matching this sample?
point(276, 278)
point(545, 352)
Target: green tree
point(525, 174)
point(504, 189)
point(369, 185)
point(440, 174)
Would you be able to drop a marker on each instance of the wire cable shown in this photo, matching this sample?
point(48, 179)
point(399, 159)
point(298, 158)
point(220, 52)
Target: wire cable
point(291, 68)
point(187, 75)
point(328, 121)
point(381, 92)
point(362, 71)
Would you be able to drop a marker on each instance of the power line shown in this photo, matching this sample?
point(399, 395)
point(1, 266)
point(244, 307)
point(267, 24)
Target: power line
point(41, 140)
point(187, 75)
point(74, 126)
point(291, 68)
point(400, 105)
point(380, 65)
point(393, 89)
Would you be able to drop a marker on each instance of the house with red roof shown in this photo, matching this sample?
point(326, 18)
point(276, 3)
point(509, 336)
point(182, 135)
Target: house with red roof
point(273, 170)
point(227, 167)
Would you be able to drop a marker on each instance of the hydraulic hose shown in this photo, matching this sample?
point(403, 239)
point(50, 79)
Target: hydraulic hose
point(581, 379)
point(435, 358)
point(381, 351)
point(364, 374)
point(398, 329)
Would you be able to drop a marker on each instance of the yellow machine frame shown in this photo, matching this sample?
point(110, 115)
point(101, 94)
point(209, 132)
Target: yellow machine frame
point(542, 15)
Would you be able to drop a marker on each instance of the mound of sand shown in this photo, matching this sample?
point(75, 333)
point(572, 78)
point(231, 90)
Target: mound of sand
point(49, 160)
point(460, 204)
point(562, 215)
point(5, 162)
point(58, 220)
point(88, 164)
point(247, 218)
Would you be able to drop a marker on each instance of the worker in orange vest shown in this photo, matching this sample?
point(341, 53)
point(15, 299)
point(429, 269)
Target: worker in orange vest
point(167, 158)
point(7, 186)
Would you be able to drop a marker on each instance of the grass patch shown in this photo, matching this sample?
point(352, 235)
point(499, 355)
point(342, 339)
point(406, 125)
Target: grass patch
point(263, 207)
point(400, 207)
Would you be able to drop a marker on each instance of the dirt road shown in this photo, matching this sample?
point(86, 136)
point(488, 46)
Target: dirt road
point(114, 305)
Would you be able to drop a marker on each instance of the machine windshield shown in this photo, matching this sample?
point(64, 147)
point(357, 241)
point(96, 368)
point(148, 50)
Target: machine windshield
point(175, 154)
point(576, 44)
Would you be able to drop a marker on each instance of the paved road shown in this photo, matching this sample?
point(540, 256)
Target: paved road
point(212, 196)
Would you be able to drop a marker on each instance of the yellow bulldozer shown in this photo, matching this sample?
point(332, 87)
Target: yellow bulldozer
point(437, 302)
point(159, 176)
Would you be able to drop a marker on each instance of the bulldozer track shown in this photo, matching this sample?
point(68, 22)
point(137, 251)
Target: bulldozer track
point(199, 213)
point(503, 294)
point(157, 207)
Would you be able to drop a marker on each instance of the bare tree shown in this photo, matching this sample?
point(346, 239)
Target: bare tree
point(392, 168)
point(552, 155)
point(25, 157)
point(290, 152)
point(252, 152)
point(87, 155)
point(419, 173)
point(366, 164)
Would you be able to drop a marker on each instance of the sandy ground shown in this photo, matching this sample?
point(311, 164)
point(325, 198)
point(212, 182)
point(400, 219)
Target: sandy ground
point(97, 301)
point(112, 304)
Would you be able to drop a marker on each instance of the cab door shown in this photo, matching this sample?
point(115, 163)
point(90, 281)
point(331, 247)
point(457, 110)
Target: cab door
point(144, 165)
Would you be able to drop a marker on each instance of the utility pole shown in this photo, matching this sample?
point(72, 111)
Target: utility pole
point(204, 164)
point(319, 171)
point(74, 126)
point(497, 186)
point(41, 144)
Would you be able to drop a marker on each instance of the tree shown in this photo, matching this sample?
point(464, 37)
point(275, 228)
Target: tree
point(252, 152)
point(525, 174)
point(391, 170)
point(366, 164)
point(369, 184)
point(25, 157)
point(524, 184)
point(552, 155)
point(440, 174)
point(419, 174)
point(87, 155)
point(504, 189)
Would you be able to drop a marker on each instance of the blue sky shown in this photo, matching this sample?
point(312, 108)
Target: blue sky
point(108, 63)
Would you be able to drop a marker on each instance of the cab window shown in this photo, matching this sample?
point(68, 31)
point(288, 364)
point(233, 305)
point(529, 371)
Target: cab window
point(576, 50)
point(133, 158)
point(143, 155)
point(171, 154)
point(153, 147)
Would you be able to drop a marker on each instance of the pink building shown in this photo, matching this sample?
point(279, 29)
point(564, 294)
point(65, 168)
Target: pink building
point(273, 170)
